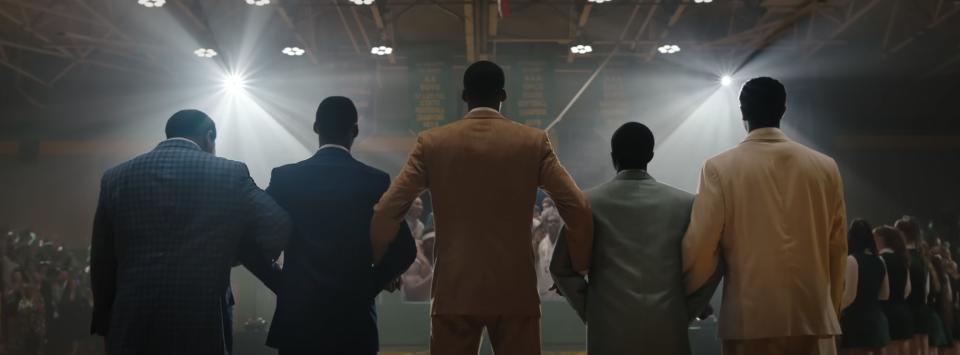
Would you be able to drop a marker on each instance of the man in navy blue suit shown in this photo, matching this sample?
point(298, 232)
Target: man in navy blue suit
point(326, 290)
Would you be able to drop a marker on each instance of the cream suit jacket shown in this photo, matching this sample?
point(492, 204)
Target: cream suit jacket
point(772, 210)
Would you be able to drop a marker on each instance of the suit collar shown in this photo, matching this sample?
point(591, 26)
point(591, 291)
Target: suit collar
point(633, 174)
point(332, 153)
point(766, 135)
point(181, 143)
point(483, 112)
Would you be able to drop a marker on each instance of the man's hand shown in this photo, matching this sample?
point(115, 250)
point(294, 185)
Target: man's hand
point(392, 286)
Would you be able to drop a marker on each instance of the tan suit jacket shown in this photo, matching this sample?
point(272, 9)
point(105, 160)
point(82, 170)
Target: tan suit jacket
point(773, 210)
point(483, 173)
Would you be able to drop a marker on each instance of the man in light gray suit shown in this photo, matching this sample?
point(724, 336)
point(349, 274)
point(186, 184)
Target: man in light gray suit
point(635, 299)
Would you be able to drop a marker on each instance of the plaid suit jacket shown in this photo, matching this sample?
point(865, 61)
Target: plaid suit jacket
point(168, 228)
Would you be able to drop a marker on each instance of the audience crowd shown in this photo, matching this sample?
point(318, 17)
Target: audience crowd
point(46, 299)
point(902, 291)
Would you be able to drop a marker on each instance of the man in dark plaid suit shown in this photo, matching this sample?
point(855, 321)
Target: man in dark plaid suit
point(169, 226)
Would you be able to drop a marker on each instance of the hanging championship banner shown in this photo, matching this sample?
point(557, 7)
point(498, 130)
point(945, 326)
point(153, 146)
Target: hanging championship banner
point(531, 93)
point(433, 95)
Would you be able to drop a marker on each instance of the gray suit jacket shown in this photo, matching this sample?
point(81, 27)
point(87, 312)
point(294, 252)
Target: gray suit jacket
point(635, 296)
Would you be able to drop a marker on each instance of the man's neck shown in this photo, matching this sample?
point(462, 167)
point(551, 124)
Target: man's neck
point(754, 128)
point(644, 168)
point(329, 142)
point(473, 106)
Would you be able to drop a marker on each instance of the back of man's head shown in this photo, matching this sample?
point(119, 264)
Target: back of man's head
point(632, 146)
point(336, 120)
point(190, 124)
point(763, 101)
point(484, 81)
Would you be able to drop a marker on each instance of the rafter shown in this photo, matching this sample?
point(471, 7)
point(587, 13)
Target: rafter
point(384, 36)
point(938, 19)
point(850, 20)
point(346, 27)
point(666, 30)
point(581, 23)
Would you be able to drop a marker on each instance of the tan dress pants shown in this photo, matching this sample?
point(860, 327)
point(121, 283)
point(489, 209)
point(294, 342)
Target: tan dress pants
point(799, 345)
point(460, 334)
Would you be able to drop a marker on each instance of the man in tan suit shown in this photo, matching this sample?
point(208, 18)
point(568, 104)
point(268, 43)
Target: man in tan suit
point(483, 173)
point(772, 210)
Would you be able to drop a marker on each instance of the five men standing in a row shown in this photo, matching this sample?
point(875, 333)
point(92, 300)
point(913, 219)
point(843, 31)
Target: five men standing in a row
point(769, 219)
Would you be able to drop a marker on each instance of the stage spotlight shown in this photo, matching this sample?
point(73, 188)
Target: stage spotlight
point(668, 49)
point(205, 53)
point(362, 2)
point(381, 50)
point(258, 2)
point(726, 80)
point(234, 83)
point(152, 3)
point(293, 51)
point(581, 49)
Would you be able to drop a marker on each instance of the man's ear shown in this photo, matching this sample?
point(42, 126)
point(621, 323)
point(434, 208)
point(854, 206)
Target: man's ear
point(316, 129)
point(463, 96)
point(503, 95)
point(355, 131)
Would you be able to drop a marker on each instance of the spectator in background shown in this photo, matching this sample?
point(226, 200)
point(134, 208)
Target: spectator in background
point(413, 218)
point(865, 327)
point(67, 327)
point(32, 319)
point(893, 252)
point(547, 206)
point(920, 284)
point(12, 294)
point(417, 280)
point(549, 234)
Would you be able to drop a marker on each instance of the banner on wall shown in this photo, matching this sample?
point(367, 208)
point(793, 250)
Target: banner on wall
point(433, 95)
point(532, 93)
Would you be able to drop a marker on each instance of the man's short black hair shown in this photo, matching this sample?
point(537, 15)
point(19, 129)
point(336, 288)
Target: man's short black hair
point(632, 146)
point(763, 101)
point(336, 116)
point(483, 80)
point(190, 124)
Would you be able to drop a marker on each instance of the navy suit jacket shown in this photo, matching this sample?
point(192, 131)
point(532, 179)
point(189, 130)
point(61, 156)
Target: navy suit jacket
point(169, 226)
point(326, 291)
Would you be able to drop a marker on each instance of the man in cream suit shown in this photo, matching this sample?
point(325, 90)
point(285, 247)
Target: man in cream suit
point(773, 211)
point(635, 301)
point(485, 168)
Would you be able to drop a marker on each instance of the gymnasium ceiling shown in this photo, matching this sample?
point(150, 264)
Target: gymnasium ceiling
point(44, 42)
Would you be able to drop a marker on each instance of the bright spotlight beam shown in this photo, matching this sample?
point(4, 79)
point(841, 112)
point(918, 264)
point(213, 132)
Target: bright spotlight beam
point(726, 80)
point(234, 83)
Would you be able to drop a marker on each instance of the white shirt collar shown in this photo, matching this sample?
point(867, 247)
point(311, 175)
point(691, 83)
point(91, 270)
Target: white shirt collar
point(336, 146)
point(886, 251)
point(183, 139)
point(485, 109)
